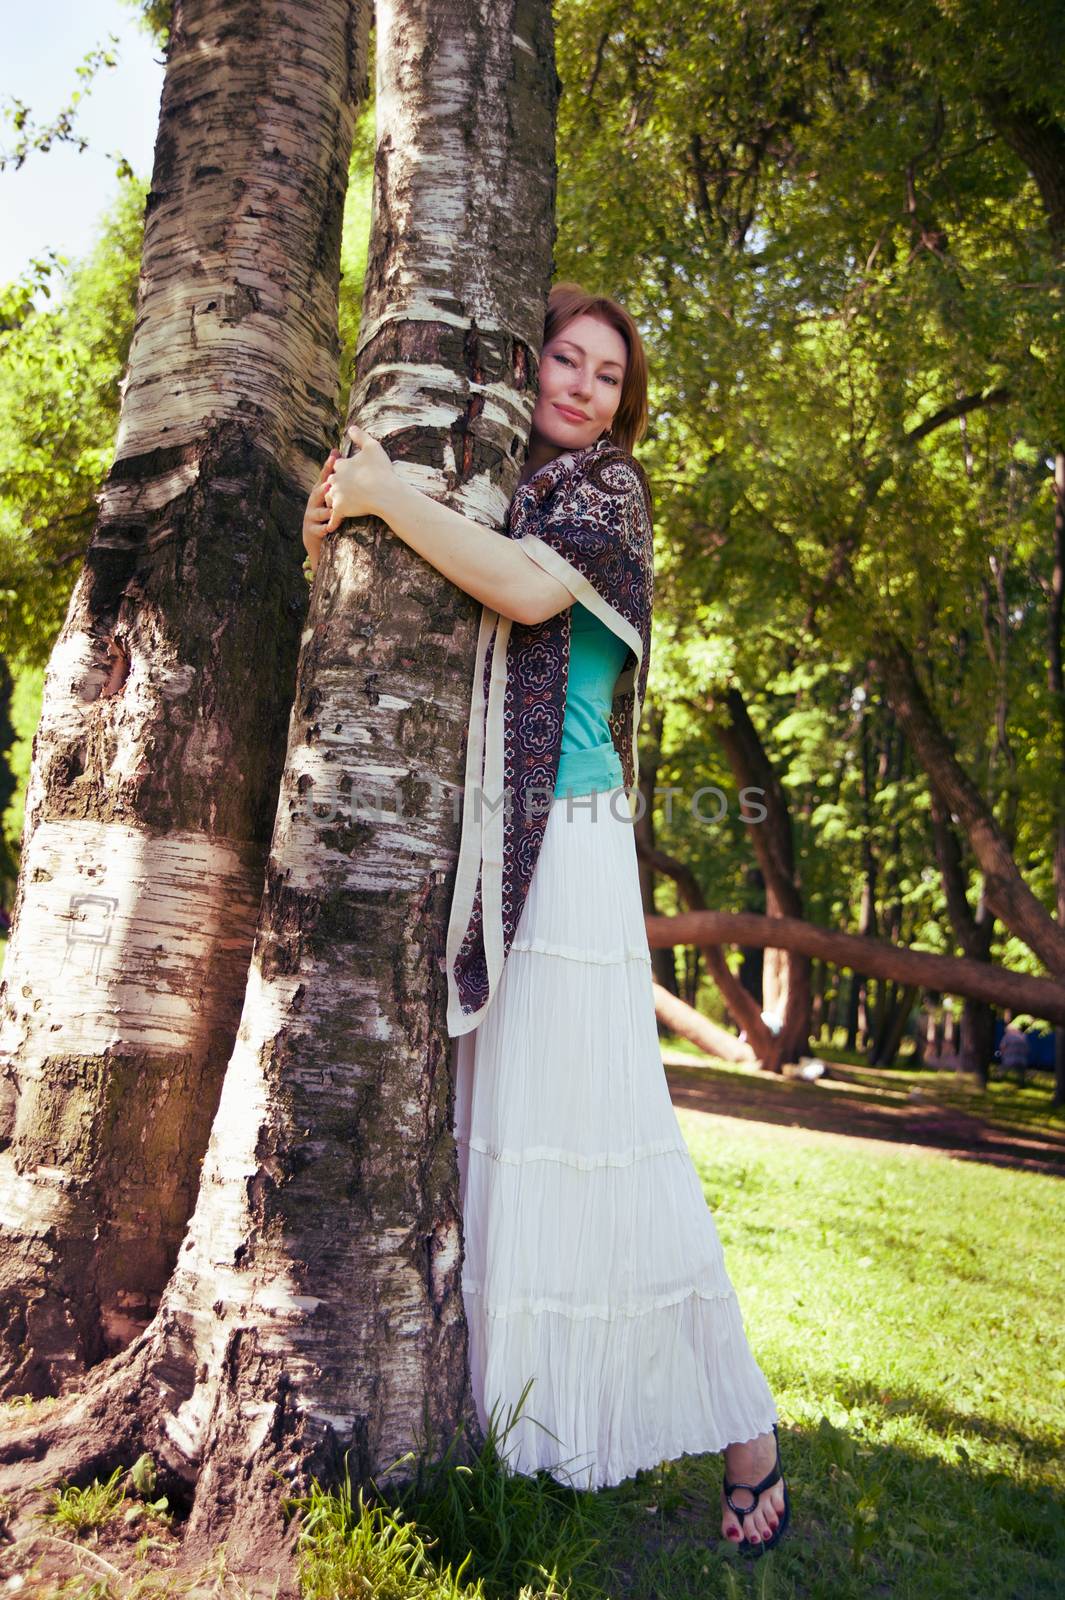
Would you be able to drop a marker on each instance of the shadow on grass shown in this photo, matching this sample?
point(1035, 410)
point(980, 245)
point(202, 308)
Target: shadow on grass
point(867, 1112)
point(937, 1416)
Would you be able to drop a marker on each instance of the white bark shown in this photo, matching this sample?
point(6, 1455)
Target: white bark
point(153, 790)
point(322, 1265)
point(316, 1304)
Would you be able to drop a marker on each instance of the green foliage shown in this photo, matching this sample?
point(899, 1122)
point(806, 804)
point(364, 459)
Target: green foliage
point(851, 294)
point(355, 244)
point(25, 712)
point(61, 130)
point(78, 1510)
point(850, 286)
point(60, 369)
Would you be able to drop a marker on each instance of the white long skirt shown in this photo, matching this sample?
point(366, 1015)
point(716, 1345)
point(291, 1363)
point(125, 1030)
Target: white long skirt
point(592, 1264)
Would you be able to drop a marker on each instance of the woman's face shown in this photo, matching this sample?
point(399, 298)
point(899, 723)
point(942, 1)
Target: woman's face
point(581, 372)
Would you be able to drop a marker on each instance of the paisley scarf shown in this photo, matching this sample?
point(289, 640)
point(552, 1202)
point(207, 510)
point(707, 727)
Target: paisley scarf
point(586, 518)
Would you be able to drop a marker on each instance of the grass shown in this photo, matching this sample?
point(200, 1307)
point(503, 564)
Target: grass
point(76, 1511)
point(75, 1522)
point(1004, 1102)
point(452, 1531)
point(906, 1310)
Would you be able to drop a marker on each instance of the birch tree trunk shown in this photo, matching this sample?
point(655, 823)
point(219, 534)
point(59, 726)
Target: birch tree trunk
point(316, 1305)
point(158, 756)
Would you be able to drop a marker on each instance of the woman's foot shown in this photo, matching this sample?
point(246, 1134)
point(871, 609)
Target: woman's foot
point(750, 1462)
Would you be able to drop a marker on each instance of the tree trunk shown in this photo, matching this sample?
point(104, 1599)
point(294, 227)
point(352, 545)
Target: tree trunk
point(689, 1024)
point(974, 931)
point(750, 973)
point(785, 982)
point(691, 975)
point(1038, 138)
point(823, 1034)
point(316, 1306)
point(158, 757)
point(818, 980)
point(889, 1027)
point(1008, 896)
point(858, 989)
point(1056, 684)
point(854, 1008)
point(921, 1030)
point(894, 1026)
point(976, 1040)
point(1043, 997)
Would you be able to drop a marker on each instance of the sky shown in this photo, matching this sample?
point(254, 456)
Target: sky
point(57, 197)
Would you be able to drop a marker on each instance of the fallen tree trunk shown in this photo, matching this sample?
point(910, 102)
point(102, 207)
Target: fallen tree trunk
point(1042, 997)
point(687, 1023)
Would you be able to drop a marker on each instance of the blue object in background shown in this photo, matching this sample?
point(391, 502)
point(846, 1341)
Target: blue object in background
point(1040, 1046)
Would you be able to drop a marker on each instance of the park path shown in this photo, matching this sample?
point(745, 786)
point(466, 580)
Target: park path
point(856, 1104)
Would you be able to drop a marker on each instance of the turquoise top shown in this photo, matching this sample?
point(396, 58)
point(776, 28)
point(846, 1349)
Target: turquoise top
point(588, 761)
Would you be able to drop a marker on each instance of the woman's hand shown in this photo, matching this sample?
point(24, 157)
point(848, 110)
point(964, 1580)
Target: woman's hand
point(317, 514)
point(358, 484)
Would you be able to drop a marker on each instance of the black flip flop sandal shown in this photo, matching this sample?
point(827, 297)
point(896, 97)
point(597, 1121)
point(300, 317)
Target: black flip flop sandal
point(757, 1547)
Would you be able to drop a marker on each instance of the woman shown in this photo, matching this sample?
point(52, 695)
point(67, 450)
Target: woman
point(592, 1266)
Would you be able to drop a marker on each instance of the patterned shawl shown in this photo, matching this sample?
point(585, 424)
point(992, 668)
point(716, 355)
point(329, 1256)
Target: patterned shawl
point(586, 518)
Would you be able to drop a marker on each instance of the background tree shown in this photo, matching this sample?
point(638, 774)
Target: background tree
point(852, 288)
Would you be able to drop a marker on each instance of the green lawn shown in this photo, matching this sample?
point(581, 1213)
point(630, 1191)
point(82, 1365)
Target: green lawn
point(906, 1309)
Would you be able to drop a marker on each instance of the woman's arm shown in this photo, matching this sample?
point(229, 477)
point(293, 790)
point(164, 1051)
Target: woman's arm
point(486, 565)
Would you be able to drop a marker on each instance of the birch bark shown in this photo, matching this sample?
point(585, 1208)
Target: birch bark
point(316, 1305)
point(158, 756)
